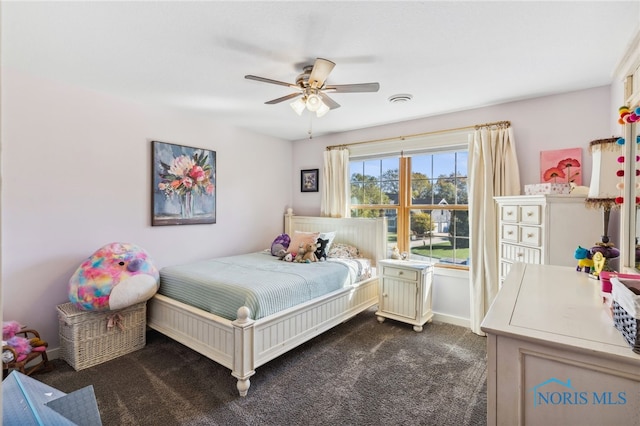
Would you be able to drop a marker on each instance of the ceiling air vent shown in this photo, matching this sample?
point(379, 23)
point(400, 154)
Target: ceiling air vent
point(400, 98)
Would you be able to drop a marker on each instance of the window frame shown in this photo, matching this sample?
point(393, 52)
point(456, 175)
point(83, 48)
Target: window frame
point(405, 203)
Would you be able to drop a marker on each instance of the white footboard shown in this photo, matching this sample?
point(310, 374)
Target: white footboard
point(243, 345)
point(278, 334)
point(205, 333)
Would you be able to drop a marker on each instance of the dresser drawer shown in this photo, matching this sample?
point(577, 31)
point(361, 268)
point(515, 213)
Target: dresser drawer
point(520, 254)
point(510, 233)
point(400, 273)
point(530, 215)
point(530, 235)
point(509, 213)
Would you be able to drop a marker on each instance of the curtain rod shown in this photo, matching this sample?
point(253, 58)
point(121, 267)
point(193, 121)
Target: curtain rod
point(401, 138)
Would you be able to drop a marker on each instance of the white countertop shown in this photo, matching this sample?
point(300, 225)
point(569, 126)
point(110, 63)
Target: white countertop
point(558, 306)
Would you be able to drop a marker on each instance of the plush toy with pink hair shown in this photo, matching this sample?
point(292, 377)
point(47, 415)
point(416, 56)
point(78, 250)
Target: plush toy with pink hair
point(22, 346)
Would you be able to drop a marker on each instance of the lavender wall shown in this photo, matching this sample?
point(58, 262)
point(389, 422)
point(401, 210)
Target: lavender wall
point(76, 169)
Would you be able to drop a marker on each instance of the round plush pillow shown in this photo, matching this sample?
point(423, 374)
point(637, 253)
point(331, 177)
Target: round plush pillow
point(116, 276)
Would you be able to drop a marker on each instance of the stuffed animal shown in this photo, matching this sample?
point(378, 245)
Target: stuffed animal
point(280, 245)
point(309, 253)
point(585, 260)
point(289, 257)
point(116, 276)
point(321, 249)
point(300, 254)
point(21, 345)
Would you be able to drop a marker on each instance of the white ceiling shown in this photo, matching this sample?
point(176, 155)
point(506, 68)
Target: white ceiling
point(450, 56)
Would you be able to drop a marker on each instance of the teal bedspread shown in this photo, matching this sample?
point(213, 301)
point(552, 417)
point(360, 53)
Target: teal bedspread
point(258, 281)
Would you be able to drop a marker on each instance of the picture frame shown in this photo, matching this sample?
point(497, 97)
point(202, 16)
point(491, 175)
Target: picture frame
point(561, 166)
point(309, 180)
point(183, 185)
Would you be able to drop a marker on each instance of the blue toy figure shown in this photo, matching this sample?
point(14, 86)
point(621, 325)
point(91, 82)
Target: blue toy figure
point(585, 259)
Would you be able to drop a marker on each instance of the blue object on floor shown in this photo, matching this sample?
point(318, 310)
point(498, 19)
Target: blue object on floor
point(26, 401)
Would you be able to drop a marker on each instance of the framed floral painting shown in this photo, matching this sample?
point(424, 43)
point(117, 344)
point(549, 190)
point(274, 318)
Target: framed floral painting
point(309, 180)
point(561, 166)
point(184, 185)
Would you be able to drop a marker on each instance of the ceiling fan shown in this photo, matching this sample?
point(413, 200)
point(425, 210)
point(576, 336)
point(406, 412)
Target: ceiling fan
point(311, 89)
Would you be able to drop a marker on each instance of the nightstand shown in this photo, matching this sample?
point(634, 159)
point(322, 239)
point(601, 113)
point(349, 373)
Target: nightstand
point(405, 292)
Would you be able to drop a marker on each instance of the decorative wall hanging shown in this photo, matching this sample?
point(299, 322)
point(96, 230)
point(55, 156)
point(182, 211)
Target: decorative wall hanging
point(309, 180)
point(184, 185)
point(628, 116)
point(561, 166)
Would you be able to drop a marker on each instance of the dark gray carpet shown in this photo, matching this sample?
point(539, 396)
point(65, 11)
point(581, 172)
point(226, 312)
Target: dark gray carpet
point(359, 373)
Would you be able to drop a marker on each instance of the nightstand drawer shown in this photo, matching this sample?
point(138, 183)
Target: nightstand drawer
point(530, 215)
point(406, 274)
point(509, 213)
point(510, 233)
point(520, 254)
point(530, 235)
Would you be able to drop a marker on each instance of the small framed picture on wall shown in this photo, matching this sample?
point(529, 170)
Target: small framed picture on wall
point(309, 180)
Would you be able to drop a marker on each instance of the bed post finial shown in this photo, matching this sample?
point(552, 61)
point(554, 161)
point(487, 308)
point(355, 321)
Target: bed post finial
point(243, 329)
point(243, 314)
point(289, 211)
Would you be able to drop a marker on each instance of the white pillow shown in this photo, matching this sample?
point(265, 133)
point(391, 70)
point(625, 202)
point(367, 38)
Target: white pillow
point(327, 236)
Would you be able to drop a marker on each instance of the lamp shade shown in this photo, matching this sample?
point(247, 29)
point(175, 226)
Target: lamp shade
point(603, 189)
point(298, 105)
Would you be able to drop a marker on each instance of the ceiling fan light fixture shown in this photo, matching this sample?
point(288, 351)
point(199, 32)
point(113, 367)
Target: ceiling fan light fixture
point(314, 102)
point(298, 105)
point(322, 110)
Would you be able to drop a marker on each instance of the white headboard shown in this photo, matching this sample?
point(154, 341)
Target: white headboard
point(369, 235)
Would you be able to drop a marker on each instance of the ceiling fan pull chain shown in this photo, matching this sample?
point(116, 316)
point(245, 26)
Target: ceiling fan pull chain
point(310, 126)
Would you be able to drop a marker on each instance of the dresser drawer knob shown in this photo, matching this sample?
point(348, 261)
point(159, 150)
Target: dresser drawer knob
point(509, 232)
point(529, 235)
point(400, 272)
point(529, 213)
point(519, 254)
point(385, 295)
point(509, 213)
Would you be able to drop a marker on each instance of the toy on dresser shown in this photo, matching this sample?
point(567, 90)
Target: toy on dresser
point(585, 259)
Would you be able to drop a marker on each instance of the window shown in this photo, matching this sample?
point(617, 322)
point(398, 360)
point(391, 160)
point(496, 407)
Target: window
point(423, 196)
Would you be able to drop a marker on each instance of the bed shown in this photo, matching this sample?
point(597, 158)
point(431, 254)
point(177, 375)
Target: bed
point(243, 344)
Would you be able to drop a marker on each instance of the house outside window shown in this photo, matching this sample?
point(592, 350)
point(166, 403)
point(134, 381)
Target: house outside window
point(424, 197)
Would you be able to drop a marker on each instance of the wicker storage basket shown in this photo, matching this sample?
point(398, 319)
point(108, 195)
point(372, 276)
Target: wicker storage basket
point(626, 310)
point(87, 338)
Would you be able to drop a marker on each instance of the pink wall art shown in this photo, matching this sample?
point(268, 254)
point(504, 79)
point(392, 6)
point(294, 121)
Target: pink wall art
point(561, 166)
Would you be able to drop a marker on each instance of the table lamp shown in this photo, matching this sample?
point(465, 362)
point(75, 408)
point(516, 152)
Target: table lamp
point(603, 191)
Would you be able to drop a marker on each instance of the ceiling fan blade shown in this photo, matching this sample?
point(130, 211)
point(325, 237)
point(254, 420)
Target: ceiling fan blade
point(320, 72)
point(284, 98)
point(268, 80)
point(350, 88)
point(328, 101)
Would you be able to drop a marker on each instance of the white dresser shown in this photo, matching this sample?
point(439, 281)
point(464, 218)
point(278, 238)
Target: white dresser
point(544, 229)
point(405, 292)
point(554, 356)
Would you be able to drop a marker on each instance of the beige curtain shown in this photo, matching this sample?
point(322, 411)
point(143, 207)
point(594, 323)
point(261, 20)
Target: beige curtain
point(493, 171)
point(335, 193)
